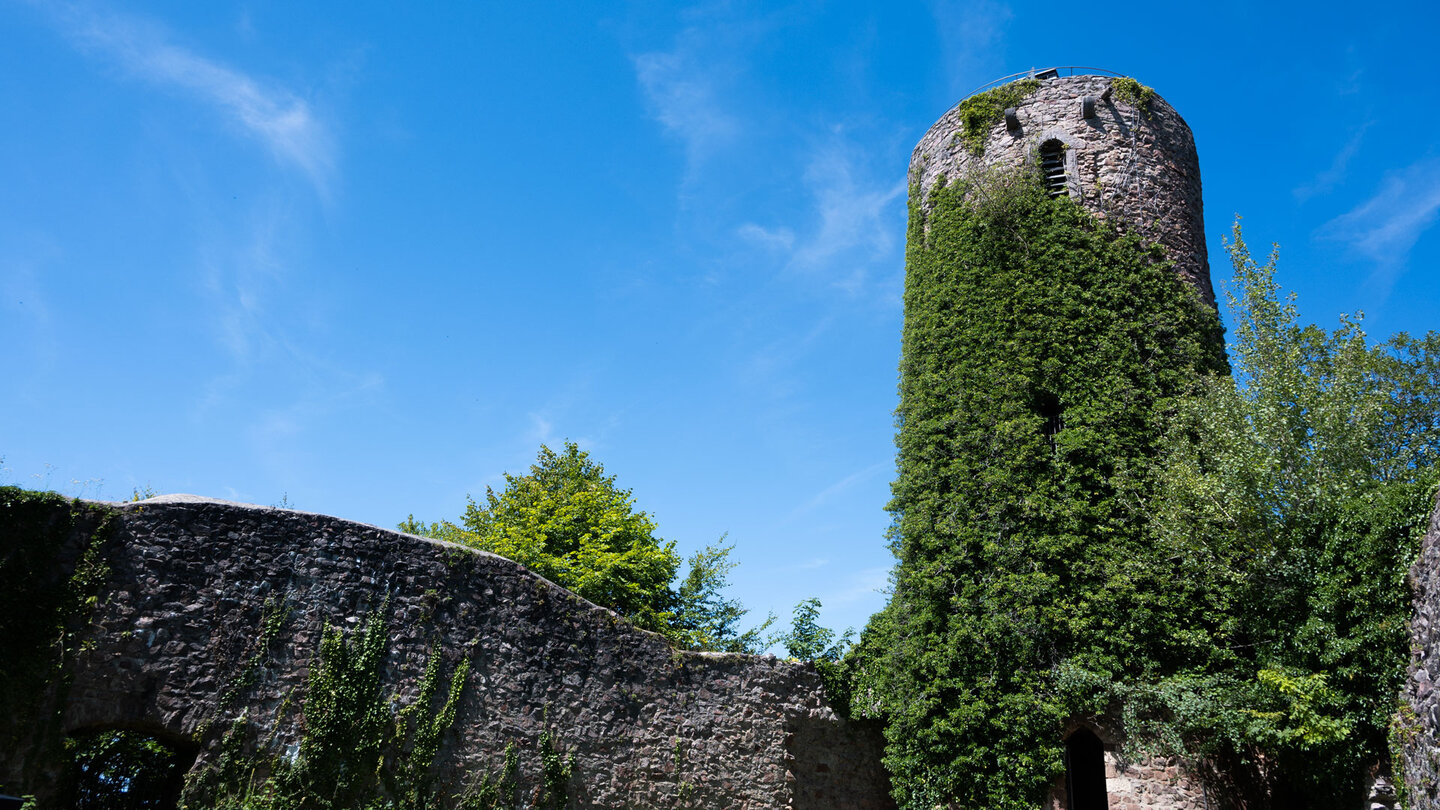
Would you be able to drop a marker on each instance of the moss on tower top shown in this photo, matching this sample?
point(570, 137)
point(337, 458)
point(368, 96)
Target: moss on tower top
point(982, 110)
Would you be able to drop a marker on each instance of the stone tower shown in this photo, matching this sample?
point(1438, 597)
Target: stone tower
point(1040, 358)
point(1107, 141)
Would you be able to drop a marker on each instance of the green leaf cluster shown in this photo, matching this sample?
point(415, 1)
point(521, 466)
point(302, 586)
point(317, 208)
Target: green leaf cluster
point(808, 640)
point(1042, 352)
point(1133, 92)
point(1296, 492)
point(143, 771)
point(982, 111)
point(569, 522)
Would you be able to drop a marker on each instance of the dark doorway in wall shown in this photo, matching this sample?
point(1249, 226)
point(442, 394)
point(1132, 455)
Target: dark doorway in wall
point(119, 769)
point(1085, 771)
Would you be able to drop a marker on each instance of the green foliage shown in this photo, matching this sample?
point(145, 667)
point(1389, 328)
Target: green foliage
point(1133, 92)
point(569, 522)
point(704, 619)
point(273, 616)
point(1295, 494)
point(1042, 351)
point(410, 776)
point(356, 751)
point(347, 720)
point(982, 111)
point(807, 640)
point(494, 792)
point(555, 771)
point(43, 609)
point(120, 770)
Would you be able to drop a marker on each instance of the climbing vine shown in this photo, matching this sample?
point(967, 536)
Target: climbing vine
point(355, 751)
point(1093, 518)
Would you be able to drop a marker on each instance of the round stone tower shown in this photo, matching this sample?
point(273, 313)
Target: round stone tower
point(1109, 142)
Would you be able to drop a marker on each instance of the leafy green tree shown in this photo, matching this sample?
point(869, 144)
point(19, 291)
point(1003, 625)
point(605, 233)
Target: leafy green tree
point(807, 640)
point(704, 618)
point(118, 770)
point(1294, 492)
point(569, 522)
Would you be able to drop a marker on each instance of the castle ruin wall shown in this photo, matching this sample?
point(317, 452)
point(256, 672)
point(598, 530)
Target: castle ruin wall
point(175, 624)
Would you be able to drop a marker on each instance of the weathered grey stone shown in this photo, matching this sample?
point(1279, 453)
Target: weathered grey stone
point(650, 726)
point(1136, 166)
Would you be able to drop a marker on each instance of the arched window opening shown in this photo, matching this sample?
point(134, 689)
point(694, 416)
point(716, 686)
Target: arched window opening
point(117, 769)
point(1052, 168)
point(1085, 771)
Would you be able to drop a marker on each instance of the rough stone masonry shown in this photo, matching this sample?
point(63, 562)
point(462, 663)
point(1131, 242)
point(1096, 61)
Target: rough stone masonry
point(1137, 165)
point(649, 725)
point(1418, 725)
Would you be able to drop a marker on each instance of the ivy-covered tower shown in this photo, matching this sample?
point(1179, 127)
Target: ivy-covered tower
point(1057, 304)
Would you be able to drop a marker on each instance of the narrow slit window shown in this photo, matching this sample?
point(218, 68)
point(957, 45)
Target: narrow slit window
point(1052, 168)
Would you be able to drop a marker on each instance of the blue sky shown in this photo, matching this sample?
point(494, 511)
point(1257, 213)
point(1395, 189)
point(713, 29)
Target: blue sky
point(366, 257)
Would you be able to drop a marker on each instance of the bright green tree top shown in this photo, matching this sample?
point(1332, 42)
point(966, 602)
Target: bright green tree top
point(569, 522)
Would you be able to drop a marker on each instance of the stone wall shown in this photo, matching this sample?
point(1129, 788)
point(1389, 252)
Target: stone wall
point(1418, 725)
point(1138, 166)
point(175, 625)
point(1158, 784)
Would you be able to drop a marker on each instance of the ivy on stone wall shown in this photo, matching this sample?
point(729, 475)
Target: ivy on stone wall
point(1042, 351)
point(355, 750)
point(1133, 93)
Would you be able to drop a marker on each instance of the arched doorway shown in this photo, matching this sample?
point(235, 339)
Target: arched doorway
point(1085, 771)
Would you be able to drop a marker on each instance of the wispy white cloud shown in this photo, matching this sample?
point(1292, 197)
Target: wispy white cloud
point(777, 239)
point(280, 119)
point(1331, 177)
point(852, 218)
point(837, 488)
point(241, 267)
point(682, 89)
point(1385, 227)
point(856, 225)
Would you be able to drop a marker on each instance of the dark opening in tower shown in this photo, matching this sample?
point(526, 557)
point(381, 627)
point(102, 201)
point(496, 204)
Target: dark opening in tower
point(1052, 168)
point(1047, 406)
point(1085, 771)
